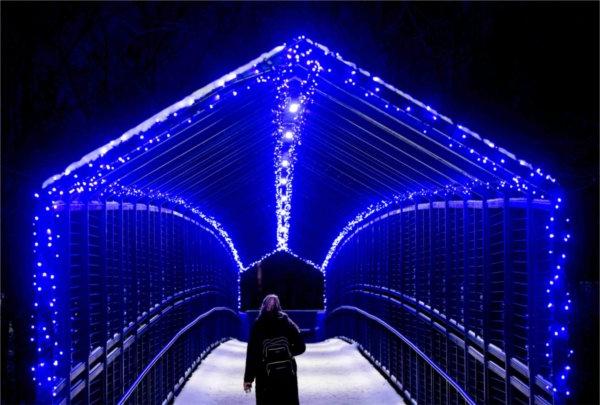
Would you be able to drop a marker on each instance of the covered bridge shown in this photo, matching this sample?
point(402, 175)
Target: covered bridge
point(443, 254)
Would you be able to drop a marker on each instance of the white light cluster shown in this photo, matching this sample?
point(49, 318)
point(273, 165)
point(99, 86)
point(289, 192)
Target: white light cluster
point(116, 189)
point(359, 218)
point(48, 247)
point(381, 205)
point(295, 81)
point(289, 252)
point(559, 301)
point(164, 114)
point(293, 96)
point(434, 114)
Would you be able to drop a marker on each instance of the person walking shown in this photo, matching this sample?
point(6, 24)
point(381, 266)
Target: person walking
point(274, 341)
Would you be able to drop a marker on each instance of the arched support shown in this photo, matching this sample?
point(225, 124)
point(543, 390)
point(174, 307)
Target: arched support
point(465, 286)
point(117, 280)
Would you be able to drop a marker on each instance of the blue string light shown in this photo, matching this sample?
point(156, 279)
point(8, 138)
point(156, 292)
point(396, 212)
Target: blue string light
point(295, 76)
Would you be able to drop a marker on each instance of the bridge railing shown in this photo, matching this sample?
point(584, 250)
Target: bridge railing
point(394, 354)
point(116, 282)
point(166, 373)
point(448, 298)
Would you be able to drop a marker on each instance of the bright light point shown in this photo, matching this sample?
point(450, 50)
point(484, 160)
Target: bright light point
point(285, 163)
point(289, 135)
point(294, 107)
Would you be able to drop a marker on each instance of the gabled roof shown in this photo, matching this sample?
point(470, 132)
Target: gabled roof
point(356, 140)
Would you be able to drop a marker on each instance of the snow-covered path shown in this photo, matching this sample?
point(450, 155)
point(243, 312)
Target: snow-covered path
point(331, 372)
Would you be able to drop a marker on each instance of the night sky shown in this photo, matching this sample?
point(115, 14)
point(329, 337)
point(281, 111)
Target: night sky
point(75, 76)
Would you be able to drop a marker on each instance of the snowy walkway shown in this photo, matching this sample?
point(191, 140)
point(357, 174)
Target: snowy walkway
point(331, 372)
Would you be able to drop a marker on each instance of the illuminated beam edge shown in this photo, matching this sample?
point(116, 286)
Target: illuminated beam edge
point(46, 320)
point(435, 115)
point(164, 114)
point(127, 191)
point(558, 236)
point(49, 320)
point(289, 252)
point(299, 58)
point(559, 300)
point(294, 90)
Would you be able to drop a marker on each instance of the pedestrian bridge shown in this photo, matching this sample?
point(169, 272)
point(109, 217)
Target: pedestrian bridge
point(442, 254)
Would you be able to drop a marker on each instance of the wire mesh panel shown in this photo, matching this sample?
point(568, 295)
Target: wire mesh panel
point(139, 274)
point(440, 295)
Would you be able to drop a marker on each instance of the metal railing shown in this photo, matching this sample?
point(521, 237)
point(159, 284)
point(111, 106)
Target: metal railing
point(196, 342)
point(381, 337)
point(130, 276)
point(461, 282)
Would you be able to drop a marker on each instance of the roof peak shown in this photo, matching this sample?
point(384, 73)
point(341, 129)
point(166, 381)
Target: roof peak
point(295, 42)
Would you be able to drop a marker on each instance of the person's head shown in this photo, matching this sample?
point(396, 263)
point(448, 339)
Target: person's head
point(270, 305)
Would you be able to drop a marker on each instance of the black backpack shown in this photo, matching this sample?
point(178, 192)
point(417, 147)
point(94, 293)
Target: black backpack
point(277, 358)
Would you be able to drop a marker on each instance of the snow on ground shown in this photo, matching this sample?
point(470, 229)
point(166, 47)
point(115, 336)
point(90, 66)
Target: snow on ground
point(331, 372)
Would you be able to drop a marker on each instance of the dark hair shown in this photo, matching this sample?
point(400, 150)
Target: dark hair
point(270, 305)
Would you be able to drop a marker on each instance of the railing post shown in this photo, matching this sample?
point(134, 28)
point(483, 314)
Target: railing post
point(63, 283)
point(417, 252)
point(532, 294)
point(84, 341)
point(486, 295)
point(148, 277)
point(103, 298)
point(135, 285)
point(448, 257)
point(465, 285)
point(508, 296)
point(401, 249)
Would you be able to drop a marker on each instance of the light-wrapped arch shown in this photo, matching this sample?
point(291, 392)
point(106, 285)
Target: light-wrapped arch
point(283, 154)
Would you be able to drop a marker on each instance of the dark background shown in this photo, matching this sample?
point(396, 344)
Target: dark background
point(75, 76)
point(298, 285)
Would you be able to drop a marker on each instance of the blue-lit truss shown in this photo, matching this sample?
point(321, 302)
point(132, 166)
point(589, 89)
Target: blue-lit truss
point(443, 253)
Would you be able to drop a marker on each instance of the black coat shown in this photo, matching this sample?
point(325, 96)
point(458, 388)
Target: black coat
point(269, 327)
